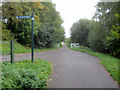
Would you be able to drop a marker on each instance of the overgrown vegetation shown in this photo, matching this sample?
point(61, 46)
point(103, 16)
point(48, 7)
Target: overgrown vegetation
point(110, 63)
point(102, 34)
point(25, 74)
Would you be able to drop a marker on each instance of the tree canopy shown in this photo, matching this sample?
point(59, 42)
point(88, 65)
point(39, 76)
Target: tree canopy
point(101, 34)
point(47, 22)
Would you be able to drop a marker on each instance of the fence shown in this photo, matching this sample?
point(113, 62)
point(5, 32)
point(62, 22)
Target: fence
point(76, 45)
point(8, 49)
point(58, 45)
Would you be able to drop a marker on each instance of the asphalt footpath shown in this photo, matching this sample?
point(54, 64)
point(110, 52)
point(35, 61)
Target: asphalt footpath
point(72, 69)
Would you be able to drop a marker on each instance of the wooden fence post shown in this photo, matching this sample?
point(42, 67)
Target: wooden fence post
point(12, 51)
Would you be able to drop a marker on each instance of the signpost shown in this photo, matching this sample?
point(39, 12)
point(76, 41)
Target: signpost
point(32, 37)
point(32, 17)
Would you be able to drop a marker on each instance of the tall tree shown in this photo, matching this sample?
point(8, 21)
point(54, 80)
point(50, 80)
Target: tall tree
point(105, 13)
point(46, 27)
point(79, 31)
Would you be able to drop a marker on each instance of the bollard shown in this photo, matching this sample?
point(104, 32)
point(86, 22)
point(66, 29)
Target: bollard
point(12, 51)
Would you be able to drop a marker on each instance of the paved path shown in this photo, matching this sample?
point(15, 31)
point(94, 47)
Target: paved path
point(72, 69)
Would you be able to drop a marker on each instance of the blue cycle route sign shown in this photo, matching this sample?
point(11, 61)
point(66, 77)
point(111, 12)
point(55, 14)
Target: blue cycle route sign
point(23, 17)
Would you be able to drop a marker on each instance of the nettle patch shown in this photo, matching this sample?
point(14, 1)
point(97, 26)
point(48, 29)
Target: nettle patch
point(25, 74)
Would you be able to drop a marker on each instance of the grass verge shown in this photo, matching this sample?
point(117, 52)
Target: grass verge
point(25, 74)
point(18, 48)
point(110, 63)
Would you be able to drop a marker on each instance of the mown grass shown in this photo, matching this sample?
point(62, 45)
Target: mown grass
point(111, 63)
point(18, 48)
point(26, 74)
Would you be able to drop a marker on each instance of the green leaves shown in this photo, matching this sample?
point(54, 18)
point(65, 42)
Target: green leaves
point(96, 37)
point(25, 74)
point(88, 33)
point(112, 41)
point(79, 31)
point(47, 23)
point(103, 33)
point(107, 13)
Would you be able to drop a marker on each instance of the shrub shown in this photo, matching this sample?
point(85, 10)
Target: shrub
point(113, 41)
point(22, 78)
point(96, 37)
point(19, 75)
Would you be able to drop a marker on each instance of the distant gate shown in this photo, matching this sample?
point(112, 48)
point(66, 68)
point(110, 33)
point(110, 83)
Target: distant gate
point(76, 45)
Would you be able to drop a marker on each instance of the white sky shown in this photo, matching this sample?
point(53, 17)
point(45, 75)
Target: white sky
point(73, 10)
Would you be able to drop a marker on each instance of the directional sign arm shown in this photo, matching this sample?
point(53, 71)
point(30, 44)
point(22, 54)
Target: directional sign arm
point(23, 17)
point(17, 17)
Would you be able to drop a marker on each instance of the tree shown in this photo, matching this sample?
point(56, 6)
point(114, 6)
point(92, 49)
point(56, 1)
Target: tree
point(47, 23)
point(108, 14)
point(105, 13)
point(96, 37)
point(79, 32)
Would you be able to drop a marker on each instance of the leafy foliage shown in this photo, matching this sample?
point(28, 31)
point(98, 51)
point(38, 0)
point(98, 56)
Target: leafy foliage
point(47, 23)
point(113, 41)
point(103, 32)
point(79, 32)
point(105, 13)
point(108, 14)
point(96, 37)
point(87, 33)
point(21, 75)
point(7, 35)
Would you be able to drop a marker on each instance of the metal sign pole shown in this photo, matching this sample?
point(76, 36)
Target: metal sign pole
point(32, 38)
point(20, 17)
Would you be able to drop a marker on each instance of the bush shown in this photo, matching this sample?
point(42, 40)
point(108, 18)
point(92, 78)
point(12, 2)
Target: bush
point(22, 78)
point(96, 37)
point(113, 41)
point(21, 75)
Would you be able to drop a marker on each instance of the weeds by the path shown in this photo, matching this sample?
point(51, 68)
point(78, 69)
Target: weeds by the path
point(25, 74)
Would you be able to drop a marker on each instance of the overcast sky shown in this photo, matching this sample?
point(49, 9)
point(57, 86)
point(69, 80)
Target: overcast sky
point(73, 10)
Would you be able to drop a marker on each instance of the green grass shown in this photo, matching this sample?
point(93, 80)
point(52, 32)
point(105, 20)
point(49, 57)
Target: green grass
point(26, 74)
point(39, 66)
point(110, 62)
point(18, 48)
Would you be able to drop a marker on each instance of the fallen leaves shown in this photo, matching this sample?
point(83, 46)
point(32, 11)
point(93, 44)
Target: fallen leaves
point(50, 80)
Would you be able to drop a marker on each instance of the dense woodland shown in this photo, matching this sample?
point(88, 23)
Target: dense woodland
point(102, 34)
point(47, 23)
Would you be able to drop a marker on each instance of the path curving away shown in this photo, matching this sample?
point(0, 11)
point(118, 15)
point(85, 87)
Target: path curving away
point(72, 69)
